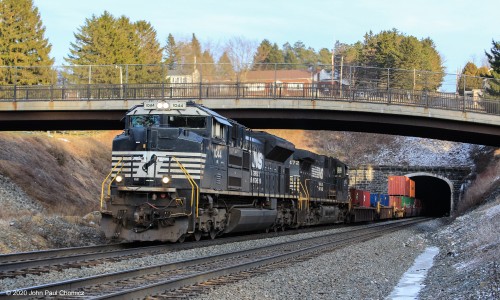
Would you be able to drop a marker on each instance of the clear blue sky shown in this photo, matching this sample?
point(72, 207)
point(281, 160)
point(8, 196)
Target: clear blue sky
point(462, 30)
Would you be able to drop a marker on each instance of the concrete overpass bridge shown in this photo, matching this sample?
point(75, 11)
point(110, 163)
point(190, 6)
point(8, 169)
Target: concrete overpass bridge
point(445, 116)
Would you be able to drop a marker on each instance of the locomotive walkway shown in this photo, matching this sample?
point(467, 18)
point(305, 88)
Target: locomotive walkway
point(444, 116)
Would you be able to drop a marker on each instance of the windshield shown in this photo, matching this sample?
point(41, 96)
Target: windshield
point(172, 121)
point(144, 120)
point(186, 121)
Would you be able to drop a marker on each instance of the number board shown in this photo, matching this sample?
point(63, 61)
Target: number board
point(164, 105)
point(178, 105)
point(149, 105)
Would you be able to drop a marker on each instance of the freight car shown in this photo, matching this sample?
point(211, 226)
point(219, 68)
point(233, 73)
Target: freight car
point(399, 202)
point(181, 170)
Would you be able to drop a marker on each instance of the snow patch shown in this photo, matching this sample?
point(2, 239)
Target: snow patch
point(424, 152)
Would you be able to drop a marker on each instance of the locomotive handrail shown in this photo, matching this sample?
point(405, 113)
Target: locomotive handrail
point(105, 179)
point(193, 185)
point(306, 192)
point(119, 171)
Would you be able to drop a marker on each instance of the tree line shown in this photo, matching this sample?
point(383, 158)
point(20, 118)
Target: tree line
point(117, 41)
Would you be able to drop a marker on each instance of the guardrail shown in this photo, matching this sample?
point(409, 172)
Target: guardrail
point(247, 90)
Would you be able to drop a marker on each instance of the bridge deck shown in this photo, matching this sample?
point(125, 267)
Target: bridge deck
point(388, 111)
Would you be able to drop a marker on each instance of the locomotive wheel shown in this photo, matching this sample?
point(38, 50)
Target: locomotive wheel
point(197, 235)
point(182, 238)
point(213, 233)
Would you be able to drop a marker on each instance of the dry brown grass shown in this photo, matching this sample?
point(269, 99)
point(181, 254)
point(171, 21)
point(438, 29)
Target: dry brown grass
point(486, 182)
point(62, 171)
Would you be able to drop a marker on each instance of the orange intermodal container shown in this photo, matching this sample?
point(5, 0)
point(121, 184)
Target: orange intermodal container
point(411, 188)
point(395, 201)
point(400, 186)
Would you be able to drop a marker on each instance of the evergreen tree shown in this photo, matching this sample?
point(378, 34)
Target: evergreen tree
point(325, 56)
point(150, 54)
point(493, 86)
point(368, 50)
point(407, 56)
point(470, 79)
point(195, 50)
point(108, 44)
point(392, 51)
point(262, 54)
point(225, 69)
point(22, 44)
point(306, 56)
point(431, 61)
point(289, 55)
point(267, 56)
point(275, 55)
point(150, 49)
point(484, 71)
point(207, 66)
point(171, 52)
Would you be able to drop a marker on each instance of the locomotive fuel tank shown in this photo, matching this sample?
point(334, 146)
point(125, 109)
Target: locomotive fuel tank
point(250, 219)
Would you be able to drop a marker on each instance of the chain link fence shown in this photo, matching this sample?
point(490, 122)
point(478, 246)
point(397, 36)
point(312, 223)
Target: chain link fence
point(343, 77)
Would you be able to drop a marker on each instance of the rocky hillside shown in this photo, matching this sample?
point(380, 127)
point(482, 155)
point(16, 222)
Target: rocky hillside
point(356, 148)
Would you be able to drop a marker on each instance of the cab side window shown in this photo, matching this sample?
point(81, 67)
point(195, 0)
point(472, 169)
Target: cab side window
point(217, 130)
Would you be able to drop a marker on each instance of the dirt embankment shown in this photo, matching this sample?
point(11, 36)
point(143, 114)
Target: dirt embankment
point(48, 183)
point(63, 172)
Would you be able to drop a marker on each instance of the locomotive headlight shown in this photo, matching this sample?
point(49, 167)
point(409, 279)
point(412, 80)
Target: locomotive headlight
point(162, 105)
point(119, 178)
point(165, 179)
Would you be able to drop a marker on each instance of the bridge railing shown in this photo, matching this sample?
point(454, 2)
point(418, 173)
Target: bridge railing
point(248, 90)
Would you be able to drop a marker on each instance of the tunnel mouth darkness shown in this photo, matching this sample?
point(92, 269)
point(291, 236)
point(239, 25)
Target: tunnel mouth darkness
point(435, 194)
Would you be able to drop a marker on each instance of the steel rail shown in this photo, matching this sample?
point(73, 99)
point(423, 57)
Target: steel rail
point(363, 233)
point(23, 263)
point(287, 257)
point(46, 254)
point(28, 261)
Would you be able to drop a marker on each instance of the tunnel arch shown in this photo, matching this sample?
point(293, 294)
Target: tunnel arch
point(435, 192)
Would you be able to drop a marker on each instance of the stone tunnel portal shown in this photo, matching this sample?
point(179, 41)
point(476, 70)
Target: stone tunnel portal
point(436, 194)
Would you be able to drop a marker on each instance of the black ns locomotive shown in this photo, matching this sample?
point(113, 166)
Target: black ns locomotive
point(180, 169)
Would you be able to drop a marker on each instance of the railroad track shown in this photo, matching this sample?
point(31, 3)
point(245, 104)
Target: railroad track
point(39, 262)
point(189, 277)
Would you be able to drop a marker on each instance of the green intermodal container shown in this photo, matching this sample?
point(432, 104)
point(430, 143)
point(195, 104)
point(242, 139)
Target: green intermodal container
point(407, 201)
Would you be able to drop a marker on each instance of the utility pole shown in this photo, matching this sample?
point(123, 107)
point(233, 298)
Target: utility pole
point(333, 67)
point(341, 69)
